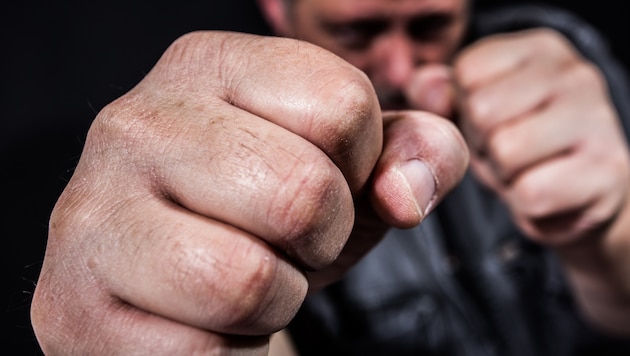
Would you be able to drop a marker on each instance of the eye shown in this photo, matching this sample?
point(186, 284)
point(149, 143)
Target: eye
point(357, 35)
point(429, 27)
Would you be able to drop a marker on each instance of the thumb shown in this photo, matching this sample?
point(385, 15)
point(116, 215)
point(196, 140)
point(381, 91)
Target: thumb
point(424, 157)
point(431, 89)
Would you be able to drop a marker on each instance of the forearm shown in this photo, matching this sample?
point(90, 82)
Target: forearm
point(598, 269)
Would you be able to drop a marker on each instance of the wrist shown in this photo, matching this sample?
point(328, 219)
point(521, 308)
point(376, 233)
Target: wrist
point(597, 267)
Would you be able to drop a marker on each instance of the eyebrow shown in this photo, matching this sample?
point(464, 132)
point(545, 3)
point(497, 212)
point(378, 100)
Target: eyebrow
point(429, 22)
point(377, 23)
point(370, 24)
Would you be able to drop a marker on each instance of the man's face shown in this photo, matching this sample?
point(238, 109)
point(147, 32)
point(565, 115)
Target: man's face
point(386, 39)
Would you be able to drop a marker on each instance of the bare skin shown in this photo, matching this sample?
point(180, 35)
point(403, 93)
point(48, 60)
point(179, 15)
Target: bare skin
point(205, 195)
point(542, 131)
point(244, 171)
point(554, 151)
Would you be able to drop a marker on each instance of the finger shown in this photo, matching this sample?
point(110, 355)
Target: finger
point(126, 330)
point(297, 85)
point(289, 192)
point(431, 89)
point(566, 184)
point(197, 271)
point(499, 80)
point(495, 56)
point(486, 172)
point(507, 98)
point(533, 138)
point(575, 107)
point(424, 157)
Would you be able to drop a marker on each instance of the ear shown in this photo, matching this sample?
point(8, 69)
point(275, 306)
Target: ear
point(275, 12)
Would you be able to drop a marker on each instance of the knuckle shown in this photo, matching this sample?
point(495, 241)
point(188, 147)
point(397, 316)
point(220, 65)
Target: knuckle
point(132, 123)
point(53, 322)
point(586, 74)
point(466, 78)
point(503, 147)
point(250, 294)
point(309, 213)
point(547, 40)
point(231, 287)
point(478, 112)
point(532, 198)
point(115, 126)
point(354, 104)
point(187, 54)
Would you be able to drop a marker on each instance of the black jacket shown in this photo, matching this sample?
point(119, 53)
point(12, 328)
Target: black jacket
point(466, 282)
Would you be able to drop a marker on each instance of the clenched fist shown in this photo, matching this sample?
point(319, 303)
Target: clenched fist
point(242, 171)
point(545, 137)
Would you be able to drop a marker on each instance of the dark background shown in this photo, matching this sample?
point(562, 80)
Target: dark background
point(61, 62)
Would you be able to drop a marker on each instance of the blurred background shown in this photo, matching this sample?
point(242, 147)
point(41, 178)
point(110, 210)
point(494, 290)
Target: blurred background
point(62, 61)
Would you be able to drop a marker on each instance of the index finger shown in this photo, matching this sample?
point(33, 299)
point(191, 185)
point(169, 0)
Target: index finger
point(495, 56)
point(308, 91)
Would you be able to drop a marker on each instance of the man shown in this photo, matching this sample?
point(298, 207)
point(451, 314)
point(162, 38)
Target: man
point(244, 171)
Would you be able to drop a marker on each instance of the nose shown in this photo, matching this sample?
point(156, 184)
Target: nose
point(396, 60)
